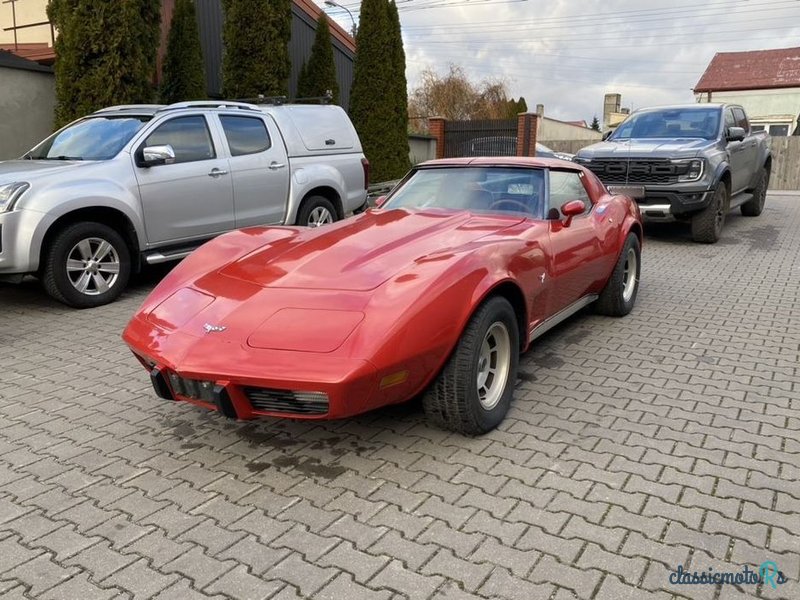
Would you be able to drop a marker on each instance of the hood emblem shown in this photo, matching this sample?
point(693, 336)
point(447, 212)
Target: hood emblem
point(209, 328)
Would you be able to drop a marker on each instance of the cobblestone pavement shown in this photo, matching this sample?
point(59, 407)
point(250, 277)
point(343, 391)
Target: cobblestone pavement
point(635, 445)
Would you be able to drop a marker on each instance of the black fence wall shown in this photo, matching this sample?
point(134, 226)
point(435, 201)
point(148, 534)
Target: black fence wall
point(489, 137)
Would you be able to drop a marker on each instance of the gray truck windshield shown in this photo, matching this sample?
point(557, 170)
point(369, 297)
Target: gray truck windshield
point(671, 123)
point(94, 138)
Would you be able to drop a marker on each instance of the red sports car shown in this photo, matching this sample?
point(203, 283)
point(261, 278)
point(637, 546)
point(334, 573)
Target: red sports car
point(437, 291)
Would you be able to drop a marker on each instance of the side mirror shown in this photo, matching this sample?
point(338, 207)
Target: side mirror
point(735, 134)
point(380, 201)
point(158, 155)
point(571, 209)
point(607, 134)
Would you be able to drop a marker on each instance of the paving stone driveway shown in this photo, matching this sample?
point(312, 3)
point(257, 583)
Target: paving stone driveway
point(635, 445)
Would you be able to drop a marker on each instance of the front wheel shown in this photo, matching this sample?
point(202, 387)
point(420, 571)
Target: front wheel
point(473, 392)
point(619, 295)
point(316, 211)
point(707, 224)
point(86, 265)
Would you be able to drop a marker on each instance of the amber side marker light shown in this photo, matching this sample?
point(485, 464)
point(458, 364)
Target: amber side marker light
point(394, 379)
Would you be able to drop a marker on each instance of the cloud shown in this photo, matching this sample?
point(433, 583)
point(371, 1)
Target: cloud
point(567, 55)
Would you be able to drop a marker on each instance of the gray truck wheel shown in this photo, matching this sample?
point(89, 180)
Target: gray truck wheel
point(86, 265)
point(316, 211)
point(473, 392)
point(754, 207)
point(619, 295)
point(707, 224)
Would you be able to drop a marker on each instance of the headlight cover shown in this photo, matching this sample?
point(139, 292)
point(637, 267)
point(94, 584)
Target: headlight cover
point(10, 193)
point(696, 166)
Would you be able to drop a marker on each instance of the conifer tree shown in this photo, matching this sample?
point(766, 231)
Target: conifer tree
point(256, 60)
point(183, 75)
point(318, 75)
point(105, 54)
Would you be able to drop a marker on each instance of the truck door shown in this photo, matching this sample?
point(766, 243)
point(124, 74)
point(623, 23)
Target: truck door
point(191, 198)
point(736, 155)
point(749, 148)
point(259, 168)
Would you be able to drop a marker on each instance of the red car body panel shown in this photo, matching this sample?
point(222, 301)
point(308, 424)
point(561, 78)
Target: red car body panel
point(366, 310)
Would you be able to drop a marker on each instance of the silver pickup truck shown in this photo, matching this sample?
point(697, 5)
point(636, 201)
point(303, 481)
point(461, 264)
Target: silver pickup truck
point(130, 185)
point(689, 163)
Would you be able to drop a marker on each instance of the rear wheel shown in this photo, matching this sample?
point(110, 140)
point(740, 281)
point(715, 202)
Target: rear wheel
point(707, 224)
point(473, 392)
point(619, 295)
point(86, 265)
point(754, 206)
point(316, 211)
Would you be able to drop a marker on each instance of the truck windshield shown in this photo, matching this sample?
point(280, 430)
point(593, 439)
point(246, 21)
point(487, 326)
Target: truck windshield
point(93, 138)
point(671, 123)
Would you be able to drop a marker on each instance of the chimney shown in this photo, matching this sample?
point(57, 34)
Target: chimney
point(540, 110)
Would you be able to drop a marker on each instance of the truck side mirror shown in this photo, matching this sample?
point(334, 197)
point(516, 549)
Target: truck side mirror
point(735, 134)
point(158, 155)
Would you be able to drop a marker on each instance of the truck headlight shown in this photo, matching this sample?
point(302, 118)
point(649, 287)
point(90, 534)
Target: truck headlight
point(694, 171)
point(10, 193)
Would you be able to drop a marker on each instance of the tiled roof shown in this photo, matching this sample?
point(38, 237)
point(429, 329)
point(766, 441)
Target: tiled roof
point(756, 70)
point(337, 32)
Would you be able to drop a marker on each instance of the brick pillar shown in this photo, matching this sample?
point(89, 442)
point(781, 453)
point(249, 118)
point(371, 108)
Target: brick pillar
point(436, 127)
point(527, 126)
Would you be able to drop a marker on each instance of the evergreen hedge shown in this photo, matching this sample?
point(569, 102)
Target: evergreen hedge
point(183, 73)
point(105, 54)
point(318, 75)
point(256, 60)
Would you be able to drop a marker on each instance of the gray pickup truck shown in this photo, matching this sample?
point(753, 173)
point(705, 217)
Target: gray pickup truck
point(145, 184)
point(691, 163)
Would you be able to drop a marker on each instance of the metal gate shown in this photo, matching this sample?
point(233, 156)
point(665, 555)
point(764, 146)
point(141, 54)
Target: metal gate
point(487, 137)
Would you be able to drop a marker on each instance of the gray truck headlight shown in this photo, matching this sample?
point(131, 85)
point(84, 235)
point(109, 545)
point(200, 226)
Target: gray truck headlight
point(10, 193)
point(695, 170)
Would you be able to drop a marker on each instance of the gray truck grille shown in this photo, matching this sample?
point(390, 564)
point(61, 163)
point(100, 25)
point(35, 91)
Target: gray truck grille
point(287, 401)
point(637, 170)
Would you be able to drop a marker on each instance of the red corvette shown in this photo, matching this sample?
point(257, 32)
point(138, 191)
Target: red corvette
point(438, 291)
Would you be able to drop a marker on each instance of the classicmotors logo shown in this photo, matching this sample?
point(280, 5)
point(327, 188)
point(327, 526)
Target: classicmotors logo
point(768, 574)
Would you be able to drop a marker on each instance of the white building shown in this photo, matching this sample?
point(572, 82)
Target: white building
point(765, 82)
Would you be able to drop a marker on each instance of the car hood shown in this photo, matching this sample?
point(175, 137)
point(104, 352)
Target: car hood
point(363, 252)
point(650, 147)
point(15, 170)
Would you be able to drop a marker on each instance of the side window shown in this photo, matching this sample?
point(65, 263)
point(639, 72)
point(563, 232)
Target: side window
point(729, 120)
point(564, 187)
point(188, 136)
point(245, 135)
point(741, 119)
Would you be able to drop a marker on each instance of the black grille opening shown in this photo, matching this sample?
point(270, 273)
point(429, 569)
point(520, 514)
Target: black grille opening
point(621, 171)
point(287, 401)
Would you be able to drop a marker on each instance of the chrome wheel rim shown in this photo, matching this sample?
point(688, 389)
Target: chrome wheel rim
point(320, 216)
point(93, 266)
point(629, 275)
point(494, 364)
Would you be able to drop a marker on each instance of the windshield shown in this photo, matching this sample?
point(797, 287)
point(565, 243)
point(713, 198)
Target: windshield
point(477, 189)
point(94, 138)
point(670, 123)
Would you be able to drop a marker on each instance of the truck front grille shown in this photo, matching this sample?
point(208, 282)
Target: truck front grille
point(621, 171)
point(287, 401)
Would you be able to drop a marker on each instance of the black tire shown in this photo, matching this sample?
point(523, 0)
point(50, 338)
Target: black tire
point(453, 401)
point(707, 224)
point(755, 206)
point(312, 208)
point(617, 298)
point(58, 281)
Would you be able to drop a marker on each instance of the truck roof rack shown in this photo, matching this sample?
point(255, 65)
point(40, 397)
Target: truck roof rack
point(210, 104)
point(261, 99)
point(123, 107)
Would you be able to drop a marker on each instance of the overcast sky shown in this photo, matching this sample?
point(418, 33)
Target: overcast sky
point(567, 53)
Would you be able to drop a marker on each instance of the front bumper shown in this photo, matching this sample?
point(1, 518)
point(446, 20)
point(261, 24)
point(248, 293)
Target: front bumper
point(21, 236)
point(246, 383)
point(660, 204)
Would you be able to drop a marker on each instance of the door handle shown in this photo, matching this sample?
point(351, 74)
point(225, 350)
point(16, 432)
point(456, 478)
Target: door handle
point(274, 166)
point(216, 173)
